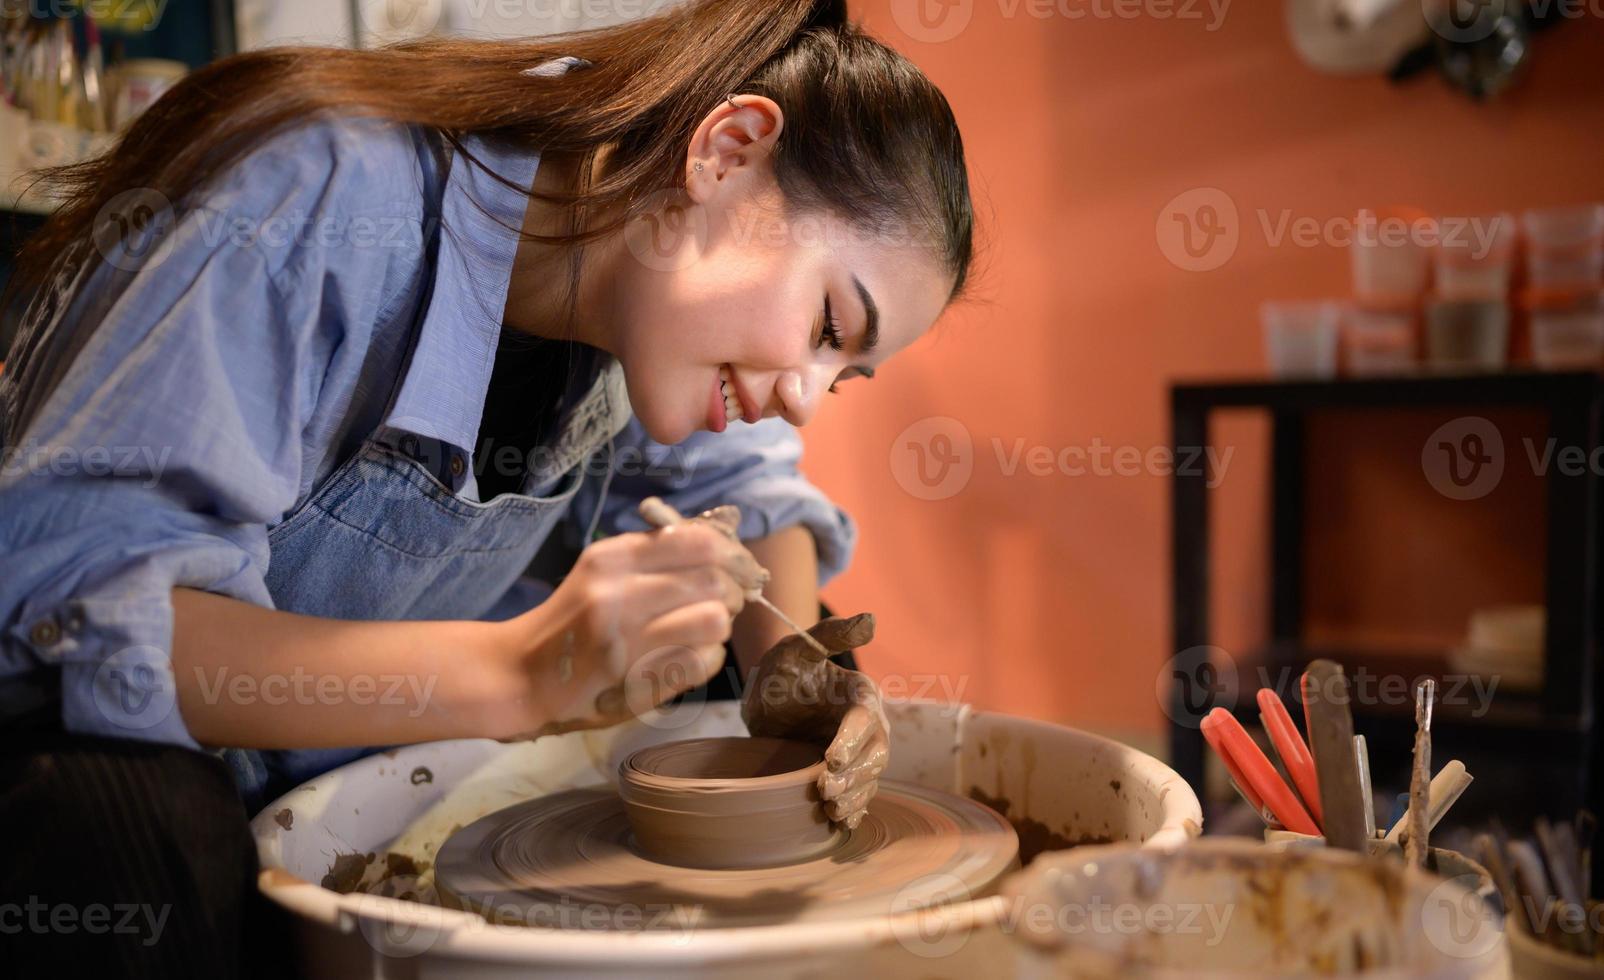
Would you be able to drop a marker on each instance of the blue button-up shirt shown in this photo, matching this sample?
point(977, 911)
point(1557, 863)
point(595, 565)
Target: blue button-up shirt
point(166, 408)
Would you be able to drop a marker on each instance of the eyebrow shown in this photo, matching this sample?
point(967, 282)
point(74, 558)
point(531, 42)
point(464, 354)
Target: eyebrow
point(871, 332)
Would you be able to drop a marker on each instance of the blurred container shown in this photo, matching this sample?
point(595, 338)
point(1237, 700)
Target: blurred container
point(1530, 959)
point(1259, 911)
point(1567, 227)
point(1391, 257)
point(1300, 339)
point(1474, 256)
point(134, 86)
point(1466, 335)
point(1379, 339)
point(1567, 328)
point(1565, 267)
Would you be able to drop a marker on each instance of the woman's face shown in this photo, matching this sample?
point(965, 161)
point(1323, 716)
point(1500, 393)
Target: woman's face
point(723, 306)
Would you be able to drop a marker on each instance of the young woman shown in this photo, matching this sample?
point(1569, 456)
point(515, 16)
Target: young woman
point(339, 354)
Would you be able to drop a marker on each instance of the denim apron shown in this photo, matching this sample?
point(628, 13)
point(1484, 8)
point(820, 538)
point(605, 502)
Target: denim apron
point(383, 538)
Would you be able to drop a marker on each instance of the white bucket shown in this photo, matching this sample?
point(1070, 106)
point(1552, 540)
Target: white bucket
point(1056, 781)
point(1232, 908)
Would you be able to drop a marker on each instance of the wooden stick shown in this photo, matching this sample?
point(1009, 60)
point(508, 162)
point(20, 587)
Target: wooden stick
point(1420, 777)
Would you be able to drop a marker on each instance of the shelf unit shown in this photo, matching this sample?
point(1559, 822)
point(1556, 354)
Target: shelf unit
point(1557, 720)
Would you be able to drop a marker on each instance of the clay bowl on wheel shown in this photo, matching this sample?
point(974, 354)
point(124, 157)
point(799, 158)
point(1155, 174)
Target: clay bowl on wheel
point(727, 802)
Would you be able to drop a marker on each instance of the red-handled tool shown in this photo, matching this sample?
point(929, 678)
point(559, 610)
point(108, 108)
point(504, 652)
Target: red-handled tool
point(1240, 753)
point(1290, 747)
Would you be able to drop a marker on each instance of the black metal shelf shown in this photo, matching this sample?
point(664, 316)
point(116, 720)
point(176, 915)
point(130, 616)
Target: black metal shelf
point(1562, 713)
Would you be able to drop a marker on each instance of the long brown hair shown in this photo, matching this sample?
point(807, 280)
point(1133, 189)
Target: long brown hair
point(867, 136)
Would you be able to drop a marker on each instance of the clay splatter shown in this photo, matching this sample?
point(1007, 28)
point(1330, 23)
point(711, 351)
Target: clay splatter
point(422, 775)
point(346, 873)
point(1035, 837)
point(285, 818)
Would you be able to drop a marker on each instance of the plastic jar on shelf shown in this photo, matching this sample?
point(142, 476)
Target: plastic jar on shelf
point(1474, 256)
point(1564, 246)
point(1391, 252)
point(1300, 338)
point(1567, 328)
point(1467, 335)
point(1379, 336)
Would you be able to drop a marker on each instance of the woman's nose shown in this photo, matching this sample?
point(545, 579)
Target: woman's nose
point(800, 392)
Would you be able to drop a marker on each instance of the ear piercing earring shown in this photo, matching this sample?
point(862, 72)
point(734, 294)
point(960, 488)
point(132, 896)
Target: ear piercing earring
point(698, 167)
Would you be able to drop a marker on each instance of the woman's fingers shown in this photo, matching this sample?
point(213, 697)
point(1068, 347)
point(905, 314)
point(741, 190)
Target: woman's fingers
point(655, 593)
point(837, 634)
point(868, 766)
point(690, 545)
point(849, 809)
point(660, 676)
point(700, 624)
point(856, 727)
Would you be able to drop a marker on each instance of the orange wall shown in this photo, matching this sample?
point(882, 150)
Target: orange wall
point(1048, 596)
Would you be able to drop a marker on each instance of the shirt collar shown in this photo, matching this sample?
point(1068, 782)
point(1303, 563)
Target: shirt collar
point(442, 396)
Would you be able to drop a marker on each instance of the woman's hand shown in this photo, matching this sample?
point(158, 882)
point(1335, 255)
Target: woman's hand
point(642, 618)
point(796, 693)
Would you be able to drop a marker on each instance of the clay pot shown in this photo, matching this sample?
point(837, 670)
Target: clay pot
point(727, 802)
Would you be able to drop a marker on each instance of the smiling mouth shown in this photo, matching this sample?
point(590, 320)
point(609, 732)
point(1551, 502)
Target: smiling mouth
point(734, 410)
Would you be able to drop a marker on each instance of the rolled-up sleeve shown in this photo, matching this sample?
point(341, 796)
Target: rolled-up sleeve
point(157, 460)
point(755, 467)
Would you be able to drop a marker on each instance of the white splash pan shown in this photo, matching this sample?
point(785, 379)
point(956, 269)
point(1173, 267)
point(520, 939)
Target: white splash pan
point(1076, 784)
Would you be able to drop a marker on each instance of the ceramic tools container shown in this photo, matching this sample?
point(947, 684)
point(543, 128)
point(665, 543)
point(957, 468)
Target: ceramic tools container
point(727, 802)
point(1239, 910)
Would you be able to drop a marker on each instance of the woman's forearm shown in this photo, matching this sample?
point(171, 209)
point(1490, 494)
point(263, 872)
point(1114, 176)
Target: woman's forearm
point(792, 558)
point(250, 677)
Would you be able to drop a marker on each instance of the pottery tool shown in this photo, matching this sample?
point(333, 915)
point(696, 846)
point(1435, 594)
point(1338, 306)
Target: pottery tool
point(1492, 858)
point(1244, 758)
point(1417, 849)
point(1290, 748)
point(1445, 790)
point(1329, 721)
point(1531, 883)
point(1361, 758)
point(569, 860)
point(660, 514)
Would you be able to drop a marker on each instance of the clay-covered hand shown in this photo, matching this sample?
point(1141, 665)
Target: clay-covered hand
point(797, 693)
point(641, 618)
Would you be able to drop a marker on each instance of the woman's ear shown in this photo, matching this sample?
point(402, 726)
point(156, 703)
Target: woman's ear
point(732, 148)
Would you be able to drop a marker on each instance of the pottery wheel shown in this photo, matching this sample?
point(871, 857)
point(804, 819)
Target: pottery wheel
point(568, 860)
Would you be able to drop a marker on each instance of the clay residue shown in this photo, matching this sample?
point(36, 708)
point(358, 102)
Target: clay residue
point(346, 872)
point(422, 775)
point(285, 818)
point(1035, 837)
point(370, 872)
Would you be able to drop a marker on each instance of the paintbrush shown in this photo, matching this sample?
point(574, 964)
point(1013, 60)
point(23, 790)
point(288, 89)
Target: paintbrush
point(660, 514)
